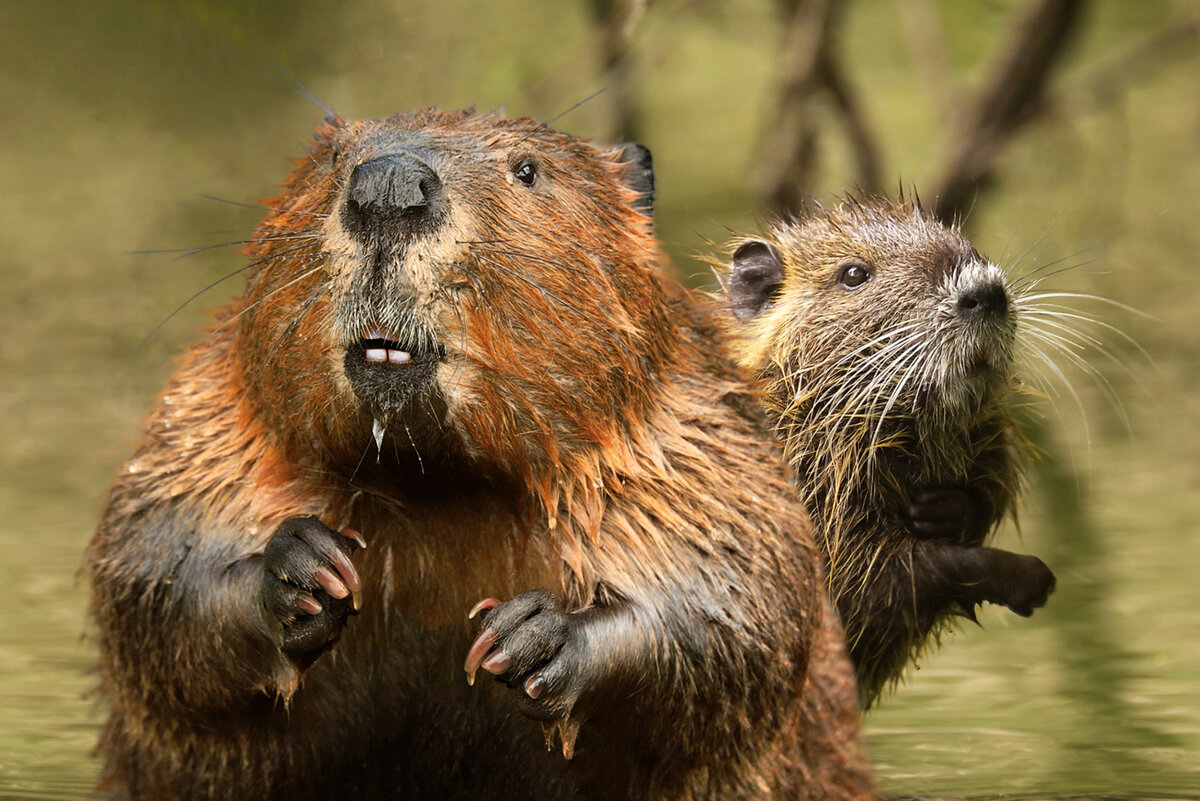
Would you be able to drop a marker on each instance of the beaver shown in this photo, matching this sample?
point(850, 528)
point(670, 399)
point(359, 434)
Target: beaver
point(458, 371)
point(886, 344)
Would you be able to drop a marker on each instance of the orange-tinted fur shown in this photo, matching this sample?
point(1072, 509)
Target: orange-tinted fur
point(586, 433)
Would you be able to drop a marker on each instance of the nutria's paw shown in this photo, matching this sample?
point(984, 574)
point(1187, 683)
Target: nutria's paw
point(529, 644)
point(955, 514)
point(1027, 584)
point(310, 585)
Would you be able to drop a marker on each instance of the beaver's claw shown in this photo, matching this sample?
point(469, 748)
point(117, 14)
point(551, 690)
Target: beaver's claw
point(310, 584)
point(529, 643)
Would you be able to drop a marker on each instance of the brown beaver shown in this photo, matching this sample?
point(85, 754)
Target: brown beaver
point(457, 338)
point(886, 342)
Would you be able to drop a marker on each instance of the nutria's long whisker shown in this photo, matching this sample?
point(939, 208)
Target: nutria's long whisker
point(1026, 280)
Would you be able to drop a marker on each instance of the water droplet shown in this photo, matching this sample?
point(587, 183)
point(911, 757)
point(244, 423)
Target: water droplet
point(377, 430)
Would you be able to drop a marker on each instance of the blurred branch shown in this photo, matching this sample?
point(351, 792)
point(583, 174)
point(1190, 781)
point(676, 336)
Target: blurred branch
point(810, 71)
point(617, 20)
point(1009, 98)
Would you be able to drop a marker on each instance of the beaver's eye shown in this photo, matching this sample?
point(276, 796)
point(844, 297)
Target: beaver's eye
point(526, 173)
point(852, 276)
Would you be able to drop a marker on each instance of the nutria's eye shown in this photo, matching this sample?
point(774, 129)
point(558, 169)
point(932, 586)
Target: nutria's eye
point(526, 173)
point(852, 276)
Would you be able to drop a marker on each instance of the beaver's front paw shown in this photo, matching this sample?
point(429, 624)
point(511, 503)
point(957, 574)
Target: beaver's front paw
point(532, 645)
point(310, 585)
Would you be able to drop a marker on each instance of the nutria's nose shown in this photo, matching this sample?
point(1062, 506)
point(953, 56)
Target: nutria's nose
point(983, 300)
point(398, 189)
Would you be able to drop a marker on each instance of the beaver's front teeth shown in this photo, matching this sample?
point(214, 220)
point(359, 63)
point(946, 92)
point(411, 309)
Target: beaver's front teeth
point(381, 355)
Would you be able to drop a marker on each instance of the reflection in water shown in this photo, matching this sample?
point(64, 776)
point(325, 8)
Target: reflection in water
point(1107, 734)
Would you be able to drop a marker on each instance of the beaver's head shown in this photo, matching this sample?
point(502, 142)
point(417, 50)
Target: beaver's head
point(874, 309)
point(480, 275)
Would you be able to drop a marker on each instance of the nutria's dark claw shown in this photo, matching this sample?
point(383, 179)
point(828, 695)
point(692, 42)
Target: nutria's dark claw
point(528, 643)
point(310, 584)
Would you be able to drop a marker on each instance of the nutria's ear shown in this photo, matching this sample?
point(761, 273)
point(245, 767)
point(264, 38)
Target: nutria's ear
point(639, 174)
point(755, 280)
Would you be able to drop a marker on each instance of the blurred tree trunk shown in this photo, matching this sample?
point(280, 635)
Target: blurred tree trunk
point(1012, 94)
point(616, 21)
point(1009, 98)
point(810, 74)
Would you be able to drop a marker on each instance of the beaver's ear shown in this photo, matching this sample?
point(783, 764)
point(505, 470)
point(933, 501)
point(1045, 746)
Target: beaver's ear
point(755, 280)
point(639, 174)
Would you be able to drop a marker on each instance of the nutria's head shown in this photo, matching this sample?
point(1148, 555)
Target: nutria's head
point(479, 277)
point(874, 310)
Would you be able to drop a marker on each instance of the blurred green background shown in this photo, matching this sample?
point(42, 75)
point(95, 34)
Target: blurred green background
point(119, 117)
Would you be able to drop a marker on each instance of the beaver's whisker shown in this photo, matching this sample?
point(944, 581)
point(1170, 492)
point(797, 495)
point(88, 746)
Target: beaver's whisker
point(416, 450)
point(1065, 348)
point(1036, 359)
point(188, 252)
point(218, 282)
point(564, 304)
point(184, 305)
point(289, 331)
point(264, 206)
point(463, 342)
point(479, 243)
point(857, 408)
point(898, 375)
point(1049, 319)
point(517, 254)
point(1078, 339)
point(317, 259)
point(1029, 285)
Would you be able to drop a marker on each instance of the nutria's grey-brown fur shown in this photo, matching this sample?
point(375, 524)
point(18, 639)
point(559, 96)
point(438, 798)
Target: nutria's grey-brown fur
point(886, 343)
point(456, 338)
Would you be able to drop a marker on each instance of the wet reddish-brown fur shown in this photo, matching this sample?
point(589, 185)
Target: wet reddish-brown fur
point(591, 436)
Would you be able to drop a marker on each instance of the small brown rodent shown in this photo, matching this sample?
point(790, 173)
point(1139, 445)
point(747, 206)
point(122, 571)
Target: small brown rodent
point(457, 339)
point(886, 342)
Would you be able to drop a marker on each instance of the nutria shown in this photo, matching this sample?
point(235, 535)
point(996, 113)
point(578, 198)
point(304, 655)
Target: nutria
point(886, 342)
point(457, 338)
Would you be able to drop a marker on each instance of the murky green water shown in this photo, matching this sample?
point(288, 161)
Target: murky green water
point(119, 116)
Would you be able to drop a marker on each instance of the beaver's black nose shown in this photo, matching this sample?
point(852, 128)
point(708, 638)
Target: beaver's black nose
point(398, 193)
point(983, 300)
